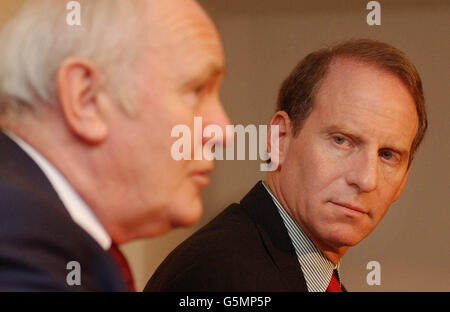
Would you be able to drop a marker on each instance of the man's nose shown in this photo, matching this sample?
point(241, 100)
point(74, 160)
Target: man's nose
point(215, 114)
point(363, 173)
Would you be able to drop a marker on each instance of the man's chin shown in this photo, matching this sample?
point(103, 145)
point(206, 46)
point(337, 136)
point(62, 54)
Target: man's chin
point(346, 240)
point(344, 234)
point(188, 214)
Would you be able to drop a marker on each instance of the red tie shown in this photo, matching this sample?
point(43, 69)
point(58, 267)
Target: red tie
point(123, 264)
point(334, 285)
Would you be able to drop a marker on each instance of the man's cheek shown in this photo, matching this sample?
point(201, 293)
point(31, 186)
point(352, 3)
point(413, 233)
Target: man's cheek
point(377, 213)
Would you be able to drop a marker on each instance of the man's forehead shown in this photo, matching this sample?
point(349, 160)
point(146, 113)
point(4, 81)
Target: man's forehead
point(345, 71)
point(181, 33)
point(367, 101)
point(170, 22)
point(350, 83)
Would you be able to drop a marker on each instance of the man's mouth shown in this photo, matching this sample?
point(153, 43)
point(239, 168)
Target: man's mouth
point(350, 207)
point(201, 178)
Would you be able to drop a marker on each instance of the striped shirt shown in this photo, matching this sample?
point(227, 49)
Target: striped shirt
point(316, 267)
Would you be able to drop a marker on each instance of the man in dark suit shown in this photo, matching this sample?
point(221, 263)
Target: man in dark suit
point(38, 237)
point(350, 118)
point(86, 113)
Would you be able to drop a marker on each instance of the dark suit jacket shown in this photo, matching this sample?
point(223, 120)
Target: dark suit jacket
point(245, 248)
point(38, 237)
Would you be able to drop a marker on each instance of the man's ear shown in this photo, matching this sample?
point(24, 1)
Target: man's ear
point(83, 101)
point(402, 185)
point(279, 151)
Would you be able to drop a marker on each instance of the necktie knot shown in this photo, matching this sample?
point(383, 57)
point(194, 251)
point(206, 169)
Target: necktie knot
point(335, 285)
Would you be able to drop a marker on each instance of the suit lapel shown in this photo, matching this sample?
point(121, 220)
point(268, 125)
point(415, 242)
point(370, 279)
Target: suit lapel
point(262, 210)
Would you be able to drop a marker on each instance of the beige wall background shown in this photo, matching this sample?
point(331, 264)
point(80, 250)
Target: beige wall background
point(263, 40)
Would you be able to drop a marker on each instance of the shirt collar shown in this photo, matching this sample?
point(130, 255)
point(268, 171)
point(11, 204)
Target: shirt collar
point(316, 267)
point(78, 209)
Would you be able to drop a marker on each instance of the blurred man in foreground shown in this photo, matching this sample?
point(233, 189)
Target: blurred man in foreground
point(86, 114)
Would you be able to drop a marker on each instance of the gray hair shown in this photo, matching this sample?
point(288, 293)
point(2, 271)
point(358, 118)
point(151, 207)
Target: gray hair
point(38, 39)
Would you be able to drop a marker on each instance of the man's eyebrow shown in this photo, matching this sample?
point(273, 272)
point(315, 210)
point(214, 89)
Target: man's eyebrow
point(356, 137)
point(402, 151)
point(210, 71)
point(214, 70)
point(346, 131)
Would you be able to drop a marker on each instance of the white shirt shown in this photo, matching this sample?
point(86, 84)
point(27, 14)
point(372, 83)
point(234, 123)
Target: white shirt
point(80, 212)
point(316, 267)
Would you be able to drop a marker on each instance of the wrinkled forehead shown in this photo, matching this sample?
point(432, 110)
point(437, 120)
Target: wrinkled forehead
point(180, 31)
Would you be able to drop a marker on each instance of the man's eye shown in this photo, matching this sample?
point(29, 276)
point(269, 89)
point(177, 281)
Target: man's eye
point(339, 140)
point(386, 155)
point(198, 89)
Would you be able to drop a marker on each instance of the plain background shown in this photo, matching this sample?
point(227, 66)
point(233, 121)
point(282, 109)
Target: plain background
point(263, 41)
